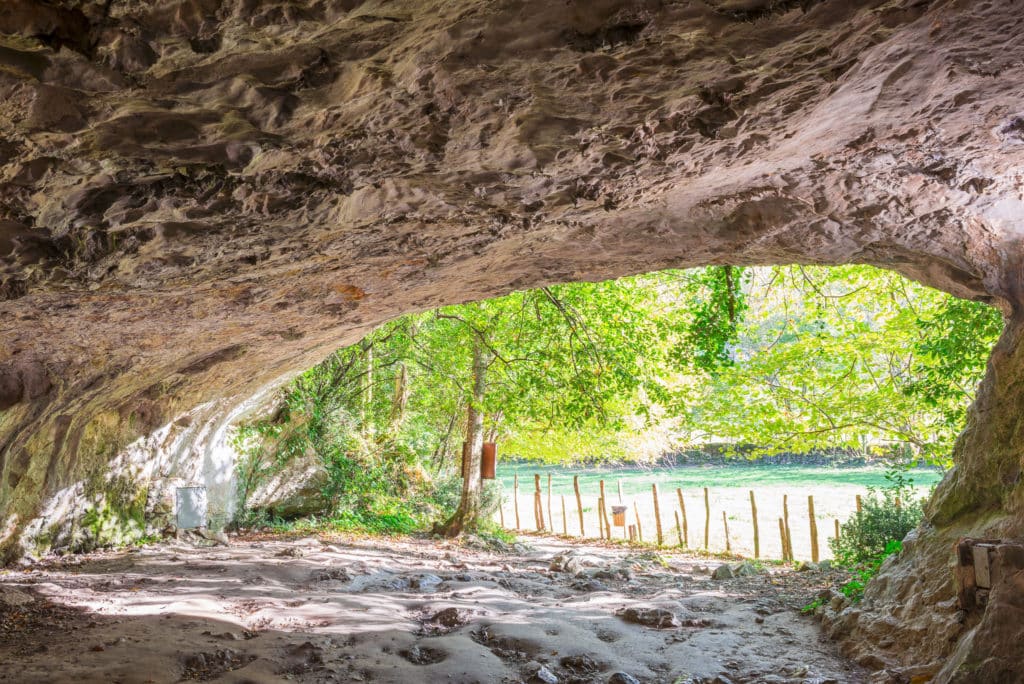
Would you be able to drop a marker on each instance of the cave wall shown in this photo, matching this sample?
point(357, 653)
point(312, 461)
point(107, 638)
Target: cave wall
point(200, 197)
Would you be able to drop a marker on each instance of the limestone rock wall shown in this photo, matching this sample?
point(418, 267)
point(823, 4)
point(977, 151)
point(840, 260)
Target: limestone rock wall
point(199, 197)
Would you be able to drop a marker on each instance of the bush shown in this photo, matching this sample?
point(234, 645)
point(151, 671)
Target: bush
point(887, 515)
point(865, 570)
point(447, 493)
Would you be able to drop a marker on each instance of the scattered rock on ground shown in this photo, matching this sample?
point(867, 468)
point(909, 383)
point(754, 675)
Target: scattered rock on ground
point(623, 678)
point(12, 597)
point(580, 665)
point(449, 618)
point(745, 569)
point(658, 618)
point(331, 575)
point(729, 571)
point(540, 673)
point(589, 585)
point(567, 561)
point(723, 572)
point(426, 582)
point(423, 655)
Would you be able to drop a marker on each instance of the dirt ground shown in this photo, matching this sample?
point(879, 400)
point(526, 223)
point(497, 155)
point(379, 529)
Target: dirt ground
point(407, 610)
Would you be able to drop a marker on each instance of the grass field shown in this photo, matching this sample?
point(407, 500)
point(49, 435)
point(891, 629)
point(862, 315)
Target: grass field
point(834, 491)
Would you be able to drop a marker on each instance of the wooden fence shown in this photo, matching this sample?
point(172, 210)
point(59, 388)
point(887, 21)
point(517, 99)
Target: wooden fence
point(627, 524)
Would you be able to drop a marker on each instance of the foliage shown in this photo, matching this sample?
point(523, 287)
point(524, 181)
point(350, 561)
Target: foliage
point(849, 358)
point(717, 307)
point(446, 492)
point(866, 569)
point(887, 515)
point(950, 356)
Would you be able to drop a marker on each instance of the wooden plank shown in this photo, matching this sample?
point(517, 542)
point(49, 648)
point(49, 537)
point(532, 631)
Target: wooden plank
point(966, 587)
point(982, 567)
point(639, 527)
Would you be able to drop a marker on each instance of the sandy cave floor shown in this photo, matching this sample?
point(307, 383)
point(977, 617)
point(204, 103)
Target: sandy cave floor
point(336, 609)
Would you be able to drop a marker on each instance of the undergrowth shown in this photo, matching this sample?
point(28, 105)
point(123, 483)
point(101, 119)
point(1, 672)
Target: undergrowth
point(874, 533)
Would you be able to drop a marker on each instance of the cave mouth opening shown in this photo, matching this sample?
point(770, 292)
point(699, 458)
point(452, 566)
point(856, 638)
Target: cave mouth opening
point(794, 366)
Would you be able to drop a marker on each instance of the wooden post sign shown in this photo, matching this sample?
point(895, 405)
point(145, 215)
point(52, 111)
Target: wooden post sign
point(488, 461)
point(619, 516)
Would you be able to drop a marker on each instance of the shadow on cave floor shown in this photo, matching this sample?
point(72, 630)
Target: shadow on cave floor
point(406, 610)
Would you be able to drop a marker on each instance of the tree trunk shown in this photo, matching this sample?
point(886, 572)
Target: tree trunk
point(467, 514)
point(366, 403)
point(400, 399)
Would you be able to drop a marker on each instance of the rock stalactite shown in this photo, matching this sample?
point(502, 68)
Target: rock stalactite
point(199, 197)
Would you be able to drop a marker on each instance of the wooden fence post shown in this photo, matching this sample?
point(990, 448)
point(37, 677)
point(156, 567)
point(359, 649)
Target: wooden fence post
point(725, 523)
point(501, 513)
point(657, 514)
point(639, 527)
point(600, 518)
point(837, 529)
point(782, 538)
point(565, 519)
point(579, 502)
point(551, 516)
point(682, 509)
point(604, 511)
point(707, 519)
point(679, 528)
point(515, 497)
point(757, 537)
point(537, 502)
point(814, 528)
point(859, 507)
point(789, 535)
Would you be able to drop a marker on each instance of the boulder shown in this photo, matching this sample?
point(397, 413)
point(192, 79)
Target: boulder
point(294, 491)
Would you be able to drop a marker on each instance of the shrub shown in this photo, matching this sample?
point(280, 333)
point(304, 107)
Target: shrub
point(865, 570)
point(448, 491)
point(887, 515)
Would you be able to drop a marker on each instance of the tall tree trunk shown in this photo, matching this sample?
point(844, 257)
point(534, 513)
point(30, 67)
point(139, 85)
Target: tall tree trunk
point(400, 398)
point(366, 391)
point(467, 514)
point(441, 452)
